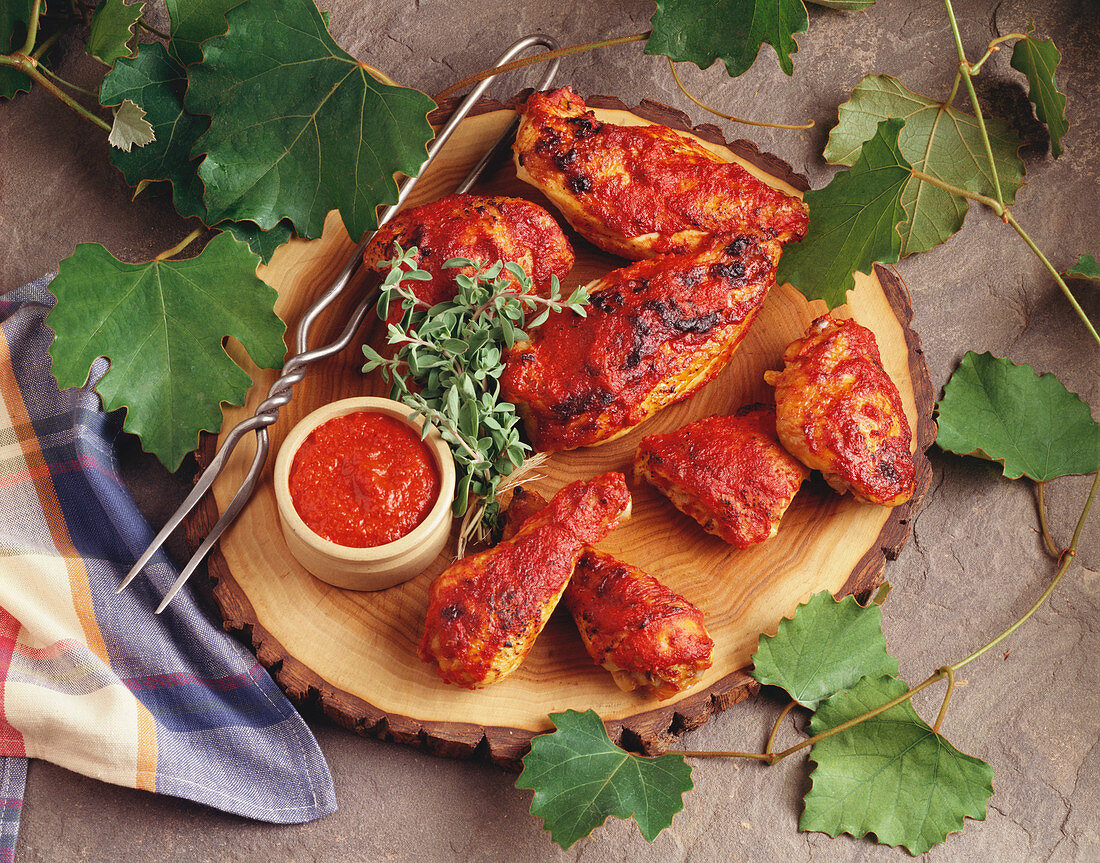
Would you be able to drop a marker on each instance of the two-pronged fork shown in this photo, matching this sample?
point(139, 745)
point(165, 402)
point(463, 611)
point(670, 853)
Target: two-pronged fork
point(296, 366)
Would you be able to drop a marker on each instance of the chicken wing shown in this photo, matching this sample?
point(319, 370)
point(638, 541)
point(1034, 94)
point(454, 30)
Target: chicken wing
point(485, 611)
point(838, 412)
point(655, 332)
point(641, 631)
point(641, 191)
point(729, 473)
point(485, 229)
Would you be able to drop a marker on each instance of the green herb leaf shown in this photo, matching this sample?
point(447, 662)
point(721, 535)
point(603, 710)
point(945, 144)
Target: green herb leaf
point(732, 30)
point(942, 142)
point(844, 5)
point(853, 221)
point(130, 127)
point(161, 324)
point(826, 647)
point(298, 126)
point(1032, 424)
point(1085, 268)
point(891, 775)
point(14, 16)
point(112, 27)
point(1038, 59)
point(580, 778)
point(192, 23)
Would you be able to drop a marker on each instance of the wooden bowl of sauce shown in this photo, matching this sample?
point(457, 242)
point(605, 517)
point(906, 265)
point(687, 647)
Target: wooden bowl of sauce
point(364, 503)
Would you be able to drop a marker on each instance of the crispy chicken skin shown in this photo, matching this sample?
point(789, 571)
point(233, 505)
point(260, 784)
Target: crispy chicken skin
point(838, 412)
point(643, 633)
point(485, 610)
point(729, 473)
point(655, 332)
point(642, 191)
point(485, 229)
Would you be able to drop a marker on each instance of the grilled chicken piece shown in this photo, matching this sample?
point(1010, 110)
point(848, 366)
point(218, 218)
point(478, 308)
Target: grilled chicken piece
point(641, 631)
point(655, 332)
point(729, 473)
point(642, 191)
point(838, 411)
point(485, 611)
point(478, 229)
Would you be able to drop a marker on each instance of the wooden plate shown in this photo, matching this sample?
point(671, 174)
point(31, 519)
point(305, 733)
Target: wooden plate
point(354, 654)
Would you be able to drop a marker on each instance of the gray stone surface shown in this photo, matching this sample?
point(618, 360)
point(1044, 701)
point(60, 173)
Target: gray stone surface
point(1031, 707)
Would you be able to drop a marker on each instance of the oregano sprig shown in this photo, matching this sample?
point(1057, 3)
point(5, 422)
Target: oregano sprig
point(447, 362)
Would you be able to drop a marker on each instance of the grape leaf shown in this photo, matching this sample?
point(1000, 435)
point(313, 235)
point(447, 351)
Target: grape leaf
point(14, 15)
point(1038, 59)
point(112, 27)
point(161, 324)
point(1031, 424)
point(1085, 268)
point(844, 5)
point(853, 221)
point(942, 142)
point(130, 127)
point(891, 775)
point(192, 22)
point(156, 81)
point(733, 30)
point(826, 647)
point(580, 778)
point(298, 125)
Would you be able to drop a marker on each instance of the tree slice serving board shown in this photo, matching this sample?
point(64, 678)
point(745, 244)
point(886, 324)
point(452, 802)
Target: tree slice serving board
point(354, 654)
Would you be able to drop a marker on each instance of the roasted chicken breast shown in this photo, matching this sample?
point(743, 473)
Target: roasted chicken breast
point(642, 191)
point(729, 473)
point(483, 229)
point(655, 332)
point(485, 610)
point(840, 413)
point(645, 634)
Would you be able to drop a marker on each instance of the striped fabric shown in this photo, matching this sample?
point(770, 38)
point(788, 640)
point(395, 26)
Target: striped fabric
point(96, 682)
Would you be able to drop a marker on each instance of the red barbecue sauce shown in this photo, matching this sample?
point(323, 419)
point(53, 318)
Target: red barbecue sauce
point(363, 479)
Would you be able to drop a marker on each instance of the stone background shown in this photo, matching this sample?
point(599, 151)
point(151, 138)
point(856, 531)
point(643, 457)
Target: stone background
point(974, 562)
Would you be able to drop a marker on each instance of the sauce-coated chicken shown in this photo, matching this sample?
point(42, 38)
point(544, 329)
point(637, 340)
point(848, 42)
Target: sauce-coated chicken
point(641, 191)
point(655, 332)
point(485, 610)
point(641, 631)
point(729, 473)
point(484, 229)
point(838, 411)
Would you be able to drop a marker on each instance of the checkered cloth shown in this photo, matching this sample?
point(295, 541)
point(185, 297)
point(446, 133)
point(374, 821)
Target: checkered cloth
point(96, 682)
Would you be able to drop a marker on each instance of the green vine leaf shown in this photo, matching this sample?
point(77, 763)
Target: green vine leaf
point(942, 142)
point(826, 647)
point(853, 221)
point(1038, 59)
point(732, 30)
point(891, 775)
point(298, 126)
point(161, 324)
point(156, 81)
point(14, 15)
point(1031, 424)
point(1085, 268)
point(192, 22)
point(580, 778)
point(112, 27)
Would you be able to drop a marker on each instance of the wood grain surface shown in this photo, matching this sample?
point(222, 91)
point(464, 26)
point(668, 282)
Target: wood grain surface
point(353, 655)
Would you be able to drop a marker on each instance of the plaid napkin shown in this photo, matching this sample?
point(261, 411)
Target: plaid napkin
point(96, 682)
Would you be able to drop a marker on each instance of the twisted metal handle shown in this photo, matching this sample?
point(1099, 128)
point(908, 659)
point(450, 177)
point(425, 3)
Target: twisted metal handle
point(295, 368)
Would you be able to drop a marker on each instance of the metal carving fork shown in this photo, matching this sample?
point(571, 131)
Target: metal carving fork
point(295, 368)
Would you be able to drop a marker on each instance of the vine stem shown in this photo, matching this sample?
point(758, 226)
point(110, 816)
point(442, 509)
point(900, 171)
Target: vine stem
point(32, 28)
point(1048, 540)
point(946, 699)
point(994, 45)
point(47, 43)
point(46, 70)
point(775, 728)
point(964, 68)
point(151, 29)
point(180, 246)
point(730, 117)
point(537, 58)
point(29, 67)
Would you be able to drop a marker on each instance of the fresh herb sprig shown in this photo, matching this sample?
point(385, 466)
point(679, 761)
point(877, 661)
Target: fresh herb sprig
point(448, 362)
